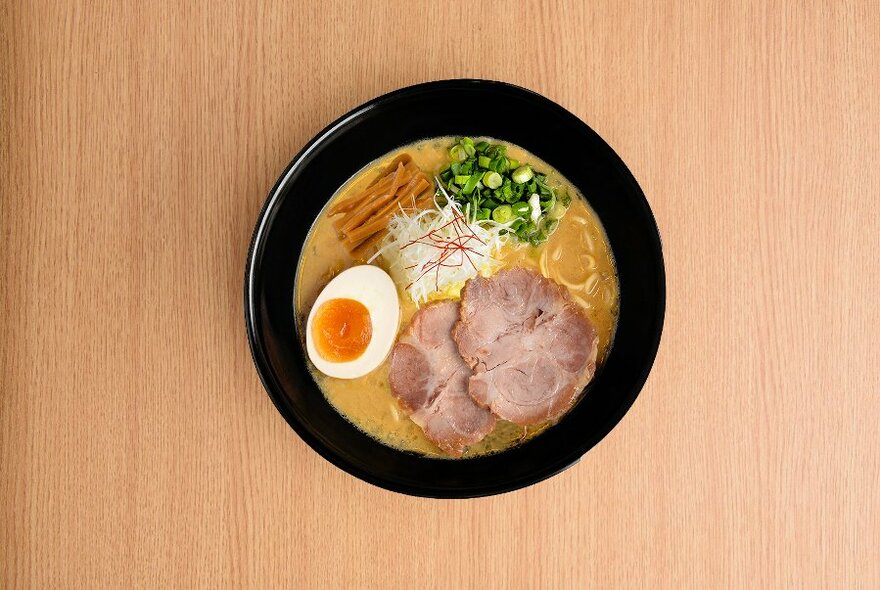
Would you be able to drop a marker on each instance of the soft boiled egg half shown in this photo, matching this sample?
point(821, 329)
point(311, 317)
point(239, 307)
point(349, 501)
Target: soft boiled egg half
point(353, 323)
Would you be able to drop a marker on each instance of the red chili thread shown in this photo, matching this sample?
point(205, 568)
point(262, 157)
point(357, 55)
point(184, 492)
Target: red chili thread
point(446, 247)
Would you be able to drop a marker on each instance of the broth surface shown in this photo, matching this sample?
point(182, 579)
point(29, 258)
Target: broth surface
point(576, 255)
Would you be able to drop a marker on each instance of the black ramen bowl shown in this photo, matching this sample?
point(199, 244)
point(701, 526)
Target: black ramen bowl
point(453, 107)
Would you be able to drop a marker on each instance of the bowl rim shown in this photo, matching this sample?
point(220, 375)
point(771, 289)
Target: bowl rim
point(262, 364)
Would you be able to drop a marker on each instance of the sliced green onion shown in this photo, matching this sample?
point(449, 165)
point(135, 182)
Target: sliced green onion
point(513, 163)
point(492, 179)
point(457, 153)
point(526, 230)
point(471, 184)
point(522, 174)
point(502, 214)
point(484, 214)
point(484, 161)
point(558, 211)
point(521, 209)
point(461, 179)
point(538, 239)
point(481, 147)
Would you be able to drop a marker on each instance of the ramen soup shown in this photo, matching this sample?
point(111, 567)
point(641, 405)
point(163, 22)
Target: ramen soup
point(549, 240)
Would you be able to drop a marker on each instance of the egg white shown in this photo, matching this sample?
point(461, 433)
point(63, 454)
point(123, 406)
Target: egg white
point(372, 287)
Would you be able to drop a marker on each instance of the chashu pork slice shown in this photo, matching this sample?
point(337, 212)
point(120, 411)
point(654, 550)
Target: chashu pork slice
point(530, 346)
point(430, 381)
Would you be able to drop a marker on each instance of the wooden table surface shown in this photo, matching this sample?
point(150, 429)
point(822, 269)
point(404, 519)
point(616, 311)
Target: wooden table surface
point(137, 446)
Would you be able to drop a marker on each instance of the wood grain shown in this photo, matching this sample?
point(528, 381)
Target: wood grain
point(137, 447)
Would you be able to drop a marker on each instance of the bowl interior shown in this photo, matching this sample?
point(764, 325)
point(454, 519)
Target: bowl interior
point(459, 107)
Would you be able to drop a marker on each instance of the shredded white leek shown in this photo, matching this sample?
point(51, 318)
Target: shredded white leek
point(433, 252)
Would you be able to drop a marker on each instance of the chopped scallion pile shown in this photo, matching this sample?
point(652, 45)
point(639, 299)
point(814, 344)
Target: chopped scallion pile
point(481, 179)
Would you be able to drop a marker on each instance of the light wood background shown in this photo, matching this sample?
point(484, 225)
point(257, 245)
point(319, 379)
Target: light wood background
point(137, 447)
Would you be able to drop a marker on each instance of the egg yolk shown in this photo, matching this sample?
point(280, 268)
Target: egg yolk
point(342, 330)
